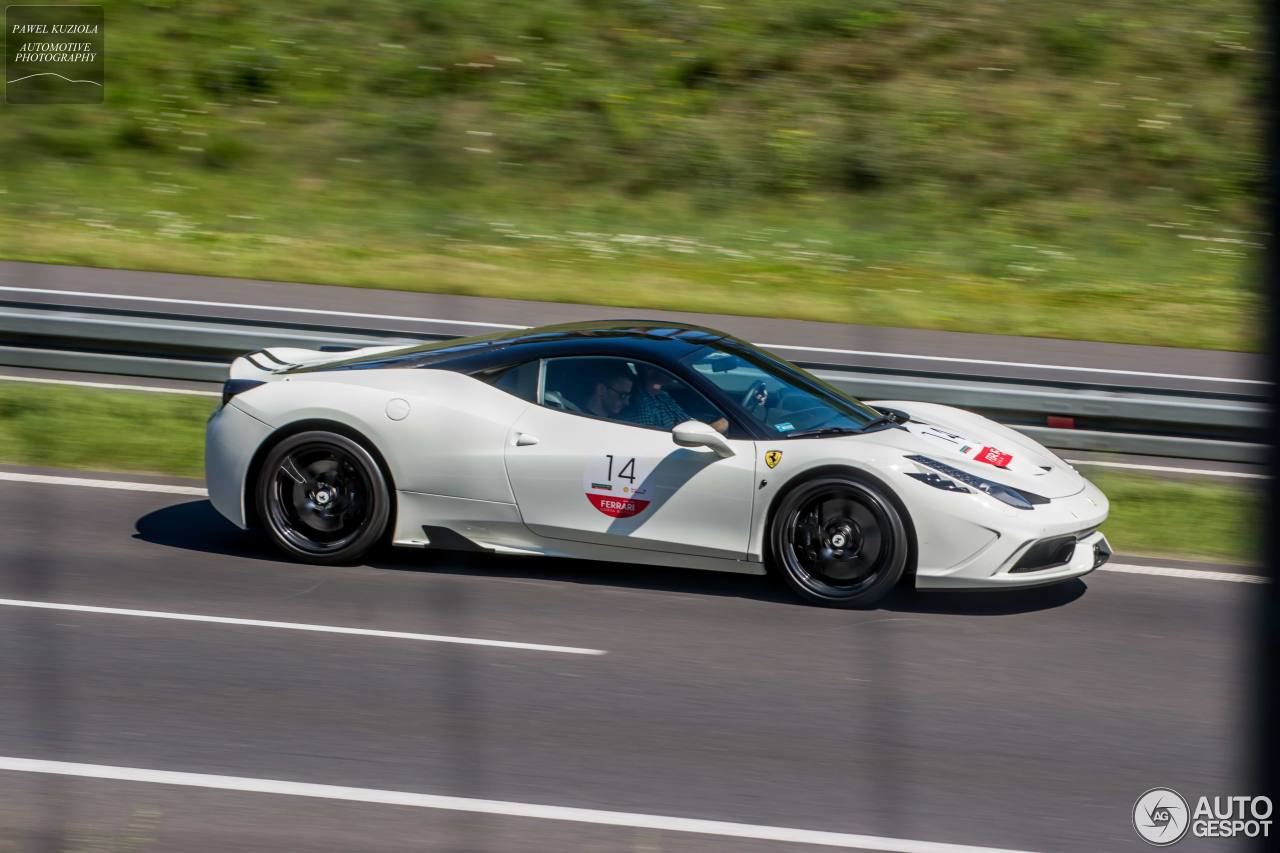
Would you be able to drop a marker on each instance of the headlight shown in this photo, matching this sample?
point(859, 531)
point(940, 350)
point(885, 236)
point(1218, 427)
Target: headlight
point(937, 482)
point(1016, 498)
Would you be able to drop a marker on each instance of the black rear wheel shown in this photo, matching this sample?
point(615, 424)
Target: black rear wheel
point(322, 497)
point(838, 541)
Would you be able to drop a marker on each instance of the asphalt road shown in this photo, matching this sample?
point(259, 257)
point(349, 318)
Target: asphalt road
point(1027, 720)
point(872, 347)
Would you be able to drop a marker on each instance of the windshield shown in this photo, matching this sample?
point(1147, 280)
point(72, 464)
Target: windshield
point(779, 395)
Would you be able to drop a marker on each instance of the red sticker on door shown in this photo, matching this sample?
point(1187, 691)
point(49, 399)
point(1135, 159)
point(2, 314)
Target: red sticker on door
point(994, 457)
point(615, 484)
point(616, 507)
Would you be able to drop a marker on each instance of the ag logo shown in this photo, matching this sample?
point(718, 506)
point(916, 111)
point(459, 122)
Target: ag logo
point(772, 458)
point(1161, 816)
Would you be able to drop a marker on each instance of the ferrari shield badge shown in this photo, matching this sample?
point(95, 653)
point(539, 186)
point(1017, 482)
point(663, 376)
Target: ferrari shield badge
point(772, 458)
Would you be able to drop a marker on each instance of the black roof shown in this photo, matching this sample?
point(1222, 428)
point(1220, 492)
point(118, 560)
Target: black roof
point(628, 329)
point(653, 340)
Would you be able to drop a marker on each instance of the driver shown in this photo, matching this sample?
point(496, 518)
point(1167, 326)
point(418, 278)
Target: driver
point(653, 406)
point(610, 394)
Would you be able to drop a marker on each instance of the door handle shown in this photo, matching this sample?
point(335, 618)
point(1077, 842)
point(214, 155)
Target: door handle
point(526, 440)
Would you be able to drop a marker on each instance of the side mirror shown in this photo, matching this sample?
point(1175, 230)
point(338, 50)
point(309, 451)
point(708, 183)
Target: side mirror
point(698, 434)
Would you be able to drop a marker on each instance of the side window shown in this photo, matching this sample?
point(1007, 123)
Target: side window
point(783, 403)
point(597, 386)
point(623, 390)
point(663, 400)
point(520, 381)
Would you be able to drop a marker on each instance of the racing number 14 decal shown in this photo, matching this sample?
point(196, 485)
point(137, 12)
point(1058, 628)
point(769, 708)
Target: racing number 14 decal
point(622, 472)
point(609, 483)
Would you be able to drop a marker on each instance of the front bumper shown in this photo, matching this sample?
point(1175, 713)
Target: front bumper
point(1090, 552)
point(1066, 531)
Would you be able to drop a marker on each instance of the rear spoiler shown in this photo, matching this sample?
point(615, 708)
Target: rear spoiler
point(265, 364)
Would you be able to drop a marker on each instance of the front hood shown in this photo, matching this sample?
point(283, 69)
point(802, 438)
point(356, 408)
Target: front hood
point(981, 446)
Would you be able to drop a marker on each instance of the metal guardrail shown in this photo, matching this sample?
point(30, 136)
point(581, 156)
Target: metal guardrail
point(166, 346)
point(1204, 449)
point(113, 363)
point(163, 334)
point(1144, 407)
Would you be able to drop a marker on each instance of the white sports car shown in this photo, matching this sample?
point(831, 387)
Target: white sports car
point(642, 442)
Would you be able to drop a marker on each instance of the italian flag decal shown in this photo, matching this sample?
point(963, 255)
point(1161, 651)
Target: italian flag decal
point(989, 455)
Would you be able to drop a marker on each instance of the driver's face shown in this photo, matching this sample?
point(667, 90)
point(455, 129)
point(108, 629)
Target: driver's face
point(616, 396)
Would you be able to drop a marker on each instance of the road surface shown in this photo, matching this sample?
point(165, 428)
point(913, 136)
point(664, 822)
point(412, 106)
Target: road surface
point(1025, 721)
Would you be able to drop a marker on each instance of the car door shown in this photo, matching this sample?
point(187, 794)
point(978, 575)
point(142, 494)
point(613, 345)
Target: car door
point(587, 478)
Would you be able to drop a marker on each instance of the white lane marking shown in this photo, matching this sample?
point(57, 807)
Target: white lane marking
point(1188, 574)
point(299, 626)
point(114, 386)
point(1203, 471)
point(208, 304)
point(127, 485)
point(630, 820)
point(1017, 364)
point(159, 390)
point(329, 313)
point(191, 490)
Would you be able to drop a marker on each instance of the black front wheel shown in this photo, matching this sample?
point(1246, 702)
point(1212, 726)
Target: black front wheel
point(322, 498)
point(838, 541)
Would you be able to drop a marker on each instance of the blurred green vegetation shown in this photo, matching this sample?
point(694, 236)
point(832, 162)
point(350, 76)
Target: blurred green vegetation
point(109, 430)
point(1196, 518)
point(103, 430)
point(1057, 168)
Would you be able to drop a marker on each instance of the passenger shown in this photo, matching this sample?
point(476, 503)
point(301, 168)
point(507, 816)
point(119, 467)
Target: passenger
point(655, 407)
point(610, 394)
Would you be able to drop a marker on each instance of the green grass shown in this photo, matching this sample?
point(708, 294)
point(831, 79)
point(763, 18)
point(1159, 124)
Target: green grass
point(103, 430)
point(1044, 169)
point(107, 430)
point(1182, 518)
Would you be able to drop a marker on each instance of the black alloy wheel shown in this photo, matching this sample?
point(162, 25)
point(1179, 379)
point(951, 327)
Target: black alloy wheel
point(322, 497)
point(838, 541)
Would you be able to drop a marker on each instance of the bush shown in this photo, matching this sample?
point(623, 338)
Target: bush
point(224, 152)
point(1073, 47)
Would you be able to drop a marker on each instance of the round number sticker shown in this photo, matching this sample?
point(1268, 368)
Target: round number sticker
point(615, 484)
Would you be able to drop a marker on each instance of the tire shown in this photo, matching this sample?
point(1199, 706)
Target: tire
point(838, 541)
point(322, 498)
